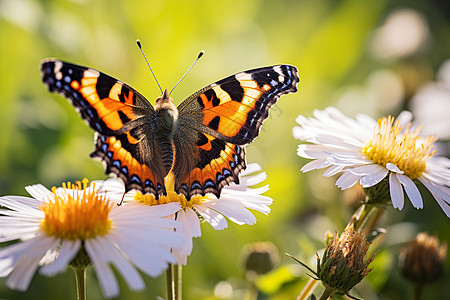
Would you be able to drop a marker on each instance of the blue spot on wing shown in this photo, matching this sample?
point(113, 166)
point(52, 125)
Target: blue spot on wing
point(135, 179)
point(149, 183)
point(116, 163)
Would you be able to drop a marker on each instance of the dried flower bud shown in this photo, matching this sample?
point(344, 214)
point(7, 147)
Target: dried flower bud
point(422, 260)
point(259, 258)
point(343, 263)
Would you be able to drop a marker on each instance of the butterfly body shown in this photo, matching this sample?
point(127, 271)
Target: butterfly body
point(201, 142)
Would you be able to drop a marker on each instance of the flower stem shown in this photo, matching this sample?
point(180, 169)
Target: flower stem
point(327, 293)
point(360, 217)
point(80, 278)
point(169, 283)
point(308, 289)
point(177, 273)
point(417, 291)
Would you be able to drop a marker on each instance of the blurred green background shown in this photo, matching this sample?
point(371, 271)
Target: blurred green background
point(362, 56)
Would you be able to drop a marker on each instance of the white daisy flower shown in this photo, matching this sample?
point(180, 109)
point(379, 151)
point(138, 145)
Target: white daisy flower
point(367, 151)
point(234, 202)
point(56, 226)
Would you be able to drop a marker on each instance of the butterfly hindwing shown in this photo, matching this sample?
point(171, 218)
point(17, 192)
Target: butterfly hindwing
point(210, 163)
point(122, 118)
point(228, 115)
point(129, 163)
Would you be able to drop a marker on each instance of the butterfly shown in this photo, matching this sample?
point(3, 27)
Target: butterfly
point(202, 141)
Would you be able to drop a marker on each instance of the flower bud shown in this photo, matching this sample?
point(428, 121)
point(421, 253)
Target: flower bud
point(259, 258)
point(422, 260)
point(343, 263)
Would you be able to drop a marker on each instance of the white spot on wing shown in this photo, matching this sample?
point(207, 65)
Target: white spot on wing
point(278, 69)
point(58, 73)
point(243, 76)
point(91, 73)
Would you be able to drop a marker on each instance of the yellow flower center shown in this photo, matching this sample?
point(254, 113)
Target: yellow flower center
point(402, 148)
point(79, 213)
point(172, 196)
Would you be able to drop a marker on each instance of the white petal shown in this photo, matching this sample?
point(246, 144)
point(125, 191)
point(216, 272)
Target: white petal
point(106, 278)
point(347, 180)
point(314, 151)
point(298, 133)
point(396, 192)
point(444, 205)
point(234, 211)
point(367, 122)
point(191, 227)
point(26, 265)
point(147, 255)
point(20, 206)
point(249, 200)
point(65, 255)
point(404, 118)
point(216, 220)
point(442, 191)
point(138, 209)
point(374, 178)
point(162, 236)
point(437, 175)
point(17, 228)
point(250, 180)
point(347, 159)
point(39, 192)
point(333, 170)
point(20, 277)
point(32, 203)
point(123, 266)
point(315, 164)
point(411, 190)
point(194, 223)
point(393, 168)
point(366, 169)
point(251, 168)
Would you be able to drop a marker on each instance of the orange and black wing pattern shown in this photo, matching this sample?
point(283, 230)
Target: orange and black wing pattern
point(121, 117)
point(216, 123)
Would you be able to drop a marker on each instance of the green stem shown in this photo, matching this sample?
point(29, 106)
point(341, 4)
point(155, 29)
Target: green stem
point(308, 289)
point(169, 283)
point(365, 218)
point(417, 291)
point(80, 278)
point(327, 293)
point(177, 273)
point(360, 216)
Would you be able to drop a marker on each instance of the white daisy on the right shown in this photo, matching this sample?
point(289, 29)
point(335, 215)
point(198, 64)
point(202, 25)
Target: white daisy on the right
point(368, 151)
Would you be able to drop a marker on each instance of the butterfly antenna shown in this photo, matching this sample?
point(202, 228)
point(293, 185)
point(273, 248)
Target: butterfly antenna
point(121, 201)
point(138, 42)
point(198, 57)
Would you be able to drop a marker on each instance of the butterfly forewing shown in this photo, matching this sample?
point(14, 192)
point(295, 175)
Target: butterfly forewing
point(122, 117)
point(229, 115)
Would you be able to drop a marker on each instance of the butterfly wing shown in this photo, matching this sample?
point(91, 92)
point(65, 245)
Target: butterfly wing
point(122, 118)
point(216, 123)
